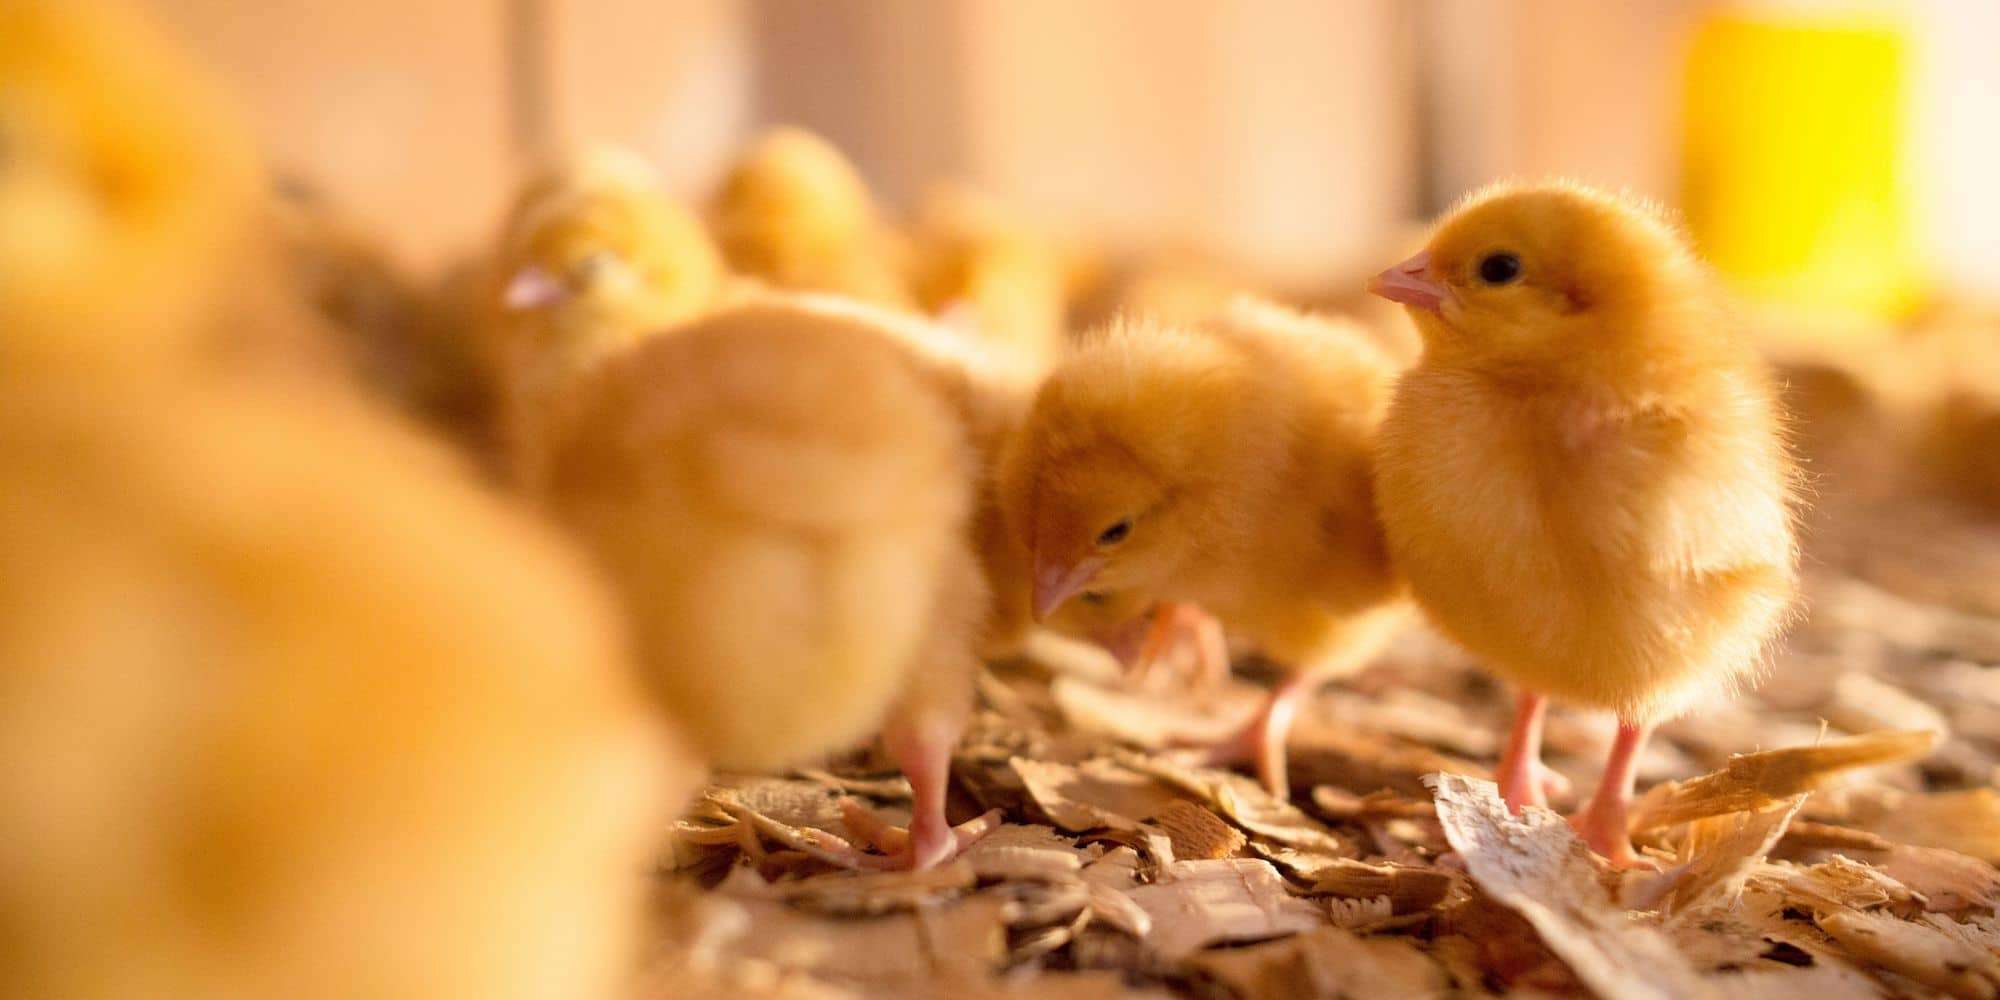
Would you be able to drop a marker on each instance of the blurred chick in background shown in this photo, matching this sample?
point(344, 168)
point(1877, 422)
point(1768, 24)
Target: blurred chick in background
point(794, 213)
point(291, 708)
point(980, 264)
point(1584, 478)
point(785, 501)
point(593, 258)
point(1228, 465)
point(124, 174)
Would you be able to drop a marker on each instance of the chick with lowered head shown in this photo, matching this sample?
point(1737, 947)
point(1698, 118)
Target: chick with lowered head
point(1584, 477)
point(1225, 465)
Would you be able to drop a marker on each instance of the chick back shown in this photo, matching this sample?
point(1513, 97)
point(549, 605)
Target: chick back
point(781, 496)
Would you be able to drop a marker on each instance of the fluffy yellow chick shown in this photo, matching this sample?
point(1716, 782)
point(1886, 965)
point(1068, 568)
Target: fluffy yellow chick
point(981, 265)
point(293, 709)
point(593, 258)
point(785, 500)
point(123, 175)
point(1584, 477)
point(1226, 465)
point(794, 213)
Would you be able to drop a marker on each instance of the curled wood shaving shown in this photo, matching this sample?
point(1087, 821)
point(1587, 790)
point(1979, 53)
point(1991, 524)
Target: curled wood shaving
point(1017, 852)
point(1758, 780)
point(1408, 889)
point(1244, 803)
point(1965, 821)
point(1197, 833)
point(1949, 880)
point(1534, 865)
point(1718, 853)
point(1153, 722)
point(1839, 884)
point(1330, 962)
point(1864, 704)
point(1095, 794)
point(1341, 804)
point(1199, 903)
point(1919, 951)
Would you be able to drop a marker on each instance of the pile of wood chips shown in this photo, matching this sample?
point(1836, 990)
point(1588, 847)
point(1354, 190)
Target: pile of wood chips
point(1832, 834)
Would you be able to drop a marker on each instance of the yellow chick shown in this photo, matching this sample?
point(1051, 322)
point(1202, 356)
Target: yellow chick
point(794, 213)
point(785, 499)
point(124, 175)
point(305, 728)
point(1004, 279)
point(593, 258)
point(1584, 477)
point(1226, 465)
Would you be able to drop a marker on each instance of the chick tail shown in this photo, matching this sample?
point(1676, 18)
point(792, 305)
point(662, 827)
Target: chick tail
point(779, 495)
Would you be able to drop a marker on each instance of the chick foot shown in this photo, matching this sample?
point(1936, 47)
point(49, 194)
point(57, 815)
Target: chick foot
point(922, 845)
point(1605, 822)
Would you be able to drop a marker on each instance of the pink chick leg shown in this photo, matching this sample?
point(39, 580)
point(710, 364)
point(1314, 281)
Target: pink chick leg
point(1178, 625)
point(1604, 822)
point(1524, 779)
point(1263, 739)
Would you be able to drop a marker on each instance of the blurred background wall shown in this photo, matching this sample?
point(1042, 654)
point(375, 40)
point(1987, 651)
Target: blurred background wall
point(1291, 134)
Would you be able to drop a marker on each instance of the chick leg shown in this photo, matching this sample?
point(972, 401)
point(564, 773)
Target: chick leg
point(1178, 625)
point(923, 751)
point(1263, 739)
point(1604, 822)
point(1524, 779)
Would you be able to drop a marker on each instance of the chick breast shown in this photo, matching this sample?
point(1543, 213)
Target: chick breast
point(1629, 566)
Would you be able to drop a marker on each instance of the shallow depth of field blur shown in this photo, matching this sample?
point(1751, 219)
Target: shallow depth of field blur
point(1838, 163)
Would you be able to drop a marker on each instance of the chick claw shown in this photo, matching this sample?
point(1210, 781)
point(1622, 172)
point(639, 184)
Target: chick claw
point(922, 847)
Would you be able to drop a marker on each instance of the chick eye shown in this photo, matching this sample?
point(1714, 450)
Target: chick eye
point(1499, 268)
point(1116, 533)
point(1093, 597)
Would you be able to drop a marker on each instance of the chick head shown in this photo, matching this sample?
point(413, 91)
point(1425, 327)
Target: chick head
point(1549, 276)
point(795, 188)
point(125, 181)
point(597, 246)
point(1123, 452)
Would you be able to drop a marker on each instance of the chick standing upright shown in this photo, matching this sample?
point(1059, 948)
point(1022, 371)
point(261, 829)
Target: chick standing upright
point(794, 213)
point(1584, 478)
point(593, 258)
point(1226, 465)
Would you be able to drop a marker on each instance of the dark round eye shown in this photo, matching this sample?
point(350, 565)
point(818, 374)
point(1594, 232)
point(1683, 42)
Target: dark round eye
point(1093, 597)
point(1499, 268)
point(1116, 533)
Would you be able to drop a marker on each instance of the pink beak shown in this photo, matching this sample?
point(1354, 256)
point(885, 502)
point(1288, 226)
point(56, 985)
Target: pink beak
point(533, 288)
point(1410, 283)
point(1056, 583)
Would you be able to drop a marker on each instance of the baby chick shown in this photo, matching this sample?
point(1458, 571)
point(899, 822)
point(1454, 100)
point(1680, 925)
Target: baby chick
point(785, 501)
point(1227, 465)
point(795, 213)
point(334, 707)
point(1584, 477)
point(593, 258)
point(1005, 279)
point(124, 178)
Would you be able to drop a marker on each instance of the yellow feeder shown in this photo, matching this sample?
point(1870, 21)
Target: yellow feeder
point(1795, 139)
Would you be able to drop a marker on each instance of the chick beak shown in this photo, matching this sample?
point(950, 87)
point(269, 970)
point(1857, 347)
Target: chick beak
point(1410, 283)
point(533, 287)
point(1056, 583)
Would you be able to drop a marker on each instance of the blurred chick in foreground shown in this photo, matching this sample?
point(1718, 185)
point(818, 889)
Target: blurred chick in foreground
point(982, 266)
point(1584, 478)
point(794, 213)
point(593, 258)
point(349, 722)
point(275, 725)
point(1227, 465)
point(124, 176)
point(786, 501)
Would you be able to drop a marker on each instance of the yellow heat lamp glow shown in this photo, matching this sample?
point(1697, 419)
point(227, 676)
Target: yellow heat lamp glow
point(1796, 130)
